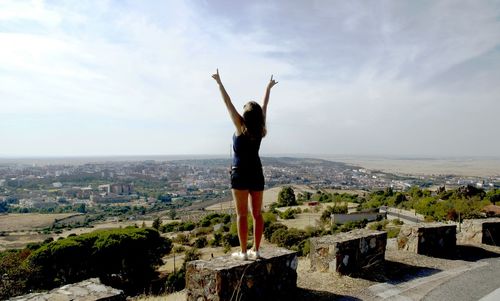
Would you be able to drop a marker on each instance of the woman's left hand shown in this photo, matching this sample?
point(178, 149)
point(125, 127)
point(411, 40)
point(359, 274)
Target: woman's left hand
point(216, 76)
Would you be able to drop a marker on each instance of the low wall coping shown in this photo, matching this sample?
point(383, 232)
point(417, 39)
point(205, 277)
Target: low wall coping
point(346, 236)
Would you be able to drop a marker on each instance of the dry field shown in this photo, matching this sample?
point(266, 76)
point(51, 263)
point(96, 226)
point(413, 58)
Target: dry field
point(301, 221)
point(271, 196)
point(23, 229)
point(29, 221)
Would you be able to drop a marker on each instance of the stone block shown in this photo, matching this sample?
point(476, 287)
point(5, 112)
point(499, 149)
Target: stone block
point(432, 239)
point(274, 277)
point(480, 231)
point(348, 252)
point(88, 290)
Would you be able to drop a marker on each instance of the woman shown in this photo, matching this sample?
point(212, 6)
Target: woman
point(247, 179)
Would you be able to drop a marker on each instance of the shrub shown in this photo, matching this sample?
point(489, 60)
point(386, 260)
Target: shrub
point(288, 238)
point(203, 231)
point(304, 247)
point(230, 240)
point(397, 222)
point(393, 232)
point(131, 253)
point(216, 241)
point(288, 214)
point(313, 231)
point(12, 264)
point(200, 242)
point(378, 225)
point(179, 249)
point(182, 239)
point(353, 225)
point(325, 216)
point(269, 218)
point(268, 231)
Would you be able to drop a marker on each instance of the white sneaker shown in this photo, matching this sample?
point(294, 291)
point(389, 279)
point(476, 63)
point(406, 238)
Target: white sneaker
point(240, 255)
point(254, 254)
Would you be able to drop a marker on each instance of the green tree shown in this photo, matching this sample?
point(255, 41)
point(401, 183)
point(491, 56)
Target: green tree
point(172, 214)
point(288, 214)
point(493, 196)
point(286, 197)
point(4, 207)
point(157, 223)
point(131, 253)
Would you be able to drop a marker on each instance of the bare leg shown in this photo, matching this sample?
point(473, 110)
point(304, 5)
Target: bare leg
point(258, 221)
point(241, 199)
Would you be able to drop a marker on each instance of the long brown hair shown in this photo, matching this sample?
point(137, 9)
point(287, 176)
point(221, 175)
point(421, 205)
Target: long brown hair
point(254, 121)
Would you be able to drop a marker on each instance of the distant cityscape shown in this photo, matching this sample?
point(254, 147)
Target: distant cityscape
point(48, 186)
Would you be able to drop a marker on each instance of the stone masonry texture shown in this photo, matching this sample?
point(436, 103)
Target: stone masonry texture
point(88, 290)
point(481, 231)
point(274, 277)
point(348, 252)
point(432, 239)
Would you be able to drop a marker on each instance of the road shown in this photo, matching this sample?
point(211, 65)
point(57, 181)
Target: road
point(472, 285)
point(474, 281)
point(406, 216)
point(403, 217)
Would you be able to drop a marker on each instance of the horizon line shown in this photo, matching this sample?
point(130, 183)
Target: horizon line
point(294, 155)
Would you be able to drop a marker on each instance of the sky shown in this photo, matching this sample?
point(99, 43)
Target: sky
point(104, 78)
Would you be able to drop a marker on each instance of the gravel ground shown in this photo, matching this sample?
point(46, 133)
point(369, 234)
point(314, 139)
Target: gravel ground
point(399, 267)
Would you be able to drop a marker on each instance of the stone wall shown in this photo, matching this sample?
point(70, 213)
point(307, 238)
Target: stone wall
point(480, 231)
point(274, 277)
point(434, 239)
point(348, 252)
point(339, 218)
point(89, 290)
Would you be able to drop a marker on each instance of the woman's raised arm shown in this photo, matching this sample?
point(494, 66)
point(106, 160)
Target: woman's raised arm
point(271, 84)
point(233, 113)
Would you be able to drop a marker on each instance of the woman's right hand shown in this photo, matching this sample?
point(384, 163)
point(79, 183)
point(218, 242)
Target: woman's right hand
point(216, 76)
point(271, 84)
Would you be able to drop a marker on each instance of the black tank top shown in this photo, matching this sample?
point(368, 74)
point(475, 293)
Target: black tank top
point(246, 152)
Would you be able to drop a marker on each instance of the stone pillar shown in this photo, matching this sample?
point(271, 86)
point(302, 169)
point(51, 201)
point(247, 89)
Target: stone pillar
point(348, 252)
point(433, 239)
point(274, 277)
point(481, 231)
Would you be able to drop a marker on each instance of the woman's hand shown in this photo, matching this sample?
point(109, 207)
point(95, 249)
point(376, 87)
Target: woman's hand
point(271, 84)
point(216, 76)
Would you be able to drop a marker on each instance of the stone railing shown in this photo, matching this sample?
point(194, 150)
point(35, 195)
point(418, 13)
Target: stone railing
point(274, 277)
point(481, 231)
point(434, 239)
point(348, 252)
point(89, 290)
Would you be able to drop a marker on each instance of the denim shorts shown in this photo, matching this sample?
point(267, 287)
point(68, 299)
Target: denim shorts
point(247, 179)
